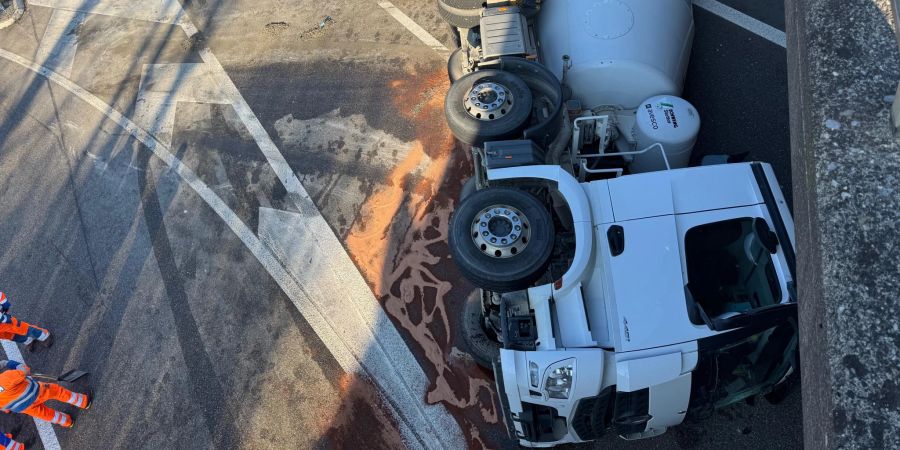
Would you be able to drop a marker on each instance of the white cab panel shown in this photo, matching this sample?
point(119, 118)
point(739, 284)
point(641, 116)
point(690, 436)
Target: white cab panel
point(683, 191)
point(648, 286)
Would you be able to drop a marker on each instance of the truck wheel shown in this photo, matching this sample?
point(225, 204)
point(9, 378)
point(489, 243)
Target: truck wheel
point(454, 34)
point(481, 346)
point(502, 239)
point(461, 13)
point(529, 8)
point(455, 65)
point(487, 105)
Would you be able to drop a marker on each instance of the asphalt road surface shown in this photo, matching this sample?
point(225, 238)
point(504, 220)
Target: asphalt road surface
point(233, 215)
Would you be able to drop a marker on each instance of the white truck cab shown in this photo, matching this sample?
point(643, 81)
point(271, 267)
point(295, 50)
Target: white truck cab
point(624, 290)
point(678, 297)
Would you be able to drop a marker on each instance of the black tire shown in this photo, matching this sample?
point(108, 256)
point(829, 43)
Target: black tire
point(464, 4)
point(483, 349)
point(454, 65)
point(476, 132)
point(454, 34)
point(461, 13)
point(529, 8)
point(523, 266)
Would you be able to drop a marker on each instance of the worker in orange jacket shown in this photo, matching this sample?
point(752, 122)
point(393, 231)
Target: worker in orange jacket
point(8, 443)
point(12, 329)
point(22, 394)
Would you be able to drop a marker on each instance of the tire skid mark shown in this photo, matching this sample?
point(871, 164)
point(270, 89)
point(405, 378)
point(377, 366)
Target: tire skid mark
point(259, 250)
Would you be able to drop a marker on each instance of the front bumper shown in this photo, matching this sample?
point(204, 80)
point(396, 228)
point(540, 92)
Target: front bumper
point(533, 418)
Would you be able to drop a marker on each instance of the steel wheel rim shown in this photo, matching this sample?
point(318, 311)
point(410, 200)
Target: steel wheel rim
point(501, 231)
point(488, 101)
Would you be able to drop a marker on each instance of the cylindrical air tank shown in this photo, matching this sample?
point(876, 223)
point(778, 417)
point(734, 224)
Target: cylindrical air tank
point(667, 120)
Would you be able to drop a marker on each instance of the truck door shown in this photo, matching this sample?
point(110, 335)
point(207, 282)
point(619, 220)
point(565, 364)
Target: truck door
point(742, 363)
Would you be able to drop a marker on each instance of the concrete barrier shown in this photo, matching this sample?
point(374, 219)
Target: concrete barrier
point(844, 66)
point(12, 13)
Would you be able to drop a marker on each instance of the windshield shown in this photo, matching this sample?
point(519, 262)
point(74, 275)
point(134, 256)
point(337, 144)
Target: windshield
point(729, 269)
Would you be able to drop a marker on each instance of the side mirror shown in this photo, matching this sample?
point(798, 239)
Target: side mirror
point(765, 234)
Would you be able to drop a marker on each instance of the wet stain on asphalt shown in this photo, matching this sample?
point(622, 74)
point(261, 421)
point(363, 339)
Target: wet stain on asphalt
point(361, 409)
point(399, 243)
point(373, 150)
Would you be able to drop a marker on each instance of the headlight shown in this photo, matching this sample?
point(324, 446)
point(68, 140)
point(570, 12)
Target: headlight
point(533, 374)
point(559, 379)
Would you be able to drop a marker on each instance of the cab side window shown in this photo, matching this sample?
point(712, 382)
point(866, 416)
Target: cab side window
point(729, 268)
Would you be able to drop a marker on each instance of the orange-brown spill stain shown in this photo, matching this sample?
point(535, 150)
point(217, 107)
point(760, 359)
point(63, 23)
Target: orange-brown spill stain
point(475, 437)
point(388, 243)
point(345, 383)
point(360, 408)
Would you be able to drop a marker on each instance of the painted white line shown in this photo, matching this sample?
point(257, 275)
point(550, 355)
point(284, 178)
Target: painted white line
point(355, 314)
point(163, 86)
point(369, 346)
point(45, 429)
point(352, 325)
point(18, 8)
point(60, 41)
point(744, 21)
point(414, 28)
point(161, 11)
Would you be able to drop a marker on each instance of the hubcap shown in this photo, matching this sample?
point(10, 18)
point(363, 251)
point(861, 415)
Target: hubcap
point(488, 101)
point(501, 231)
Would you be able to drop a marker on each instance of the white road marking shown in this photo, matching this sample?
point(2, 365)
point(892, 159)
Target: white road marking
point(162, 11)
point(361, 338)
point(359, 335)
point(366, 330)
point(744, 21)
point(45, 429)
point(163, 86)
point(413, 27)
point(60, 40)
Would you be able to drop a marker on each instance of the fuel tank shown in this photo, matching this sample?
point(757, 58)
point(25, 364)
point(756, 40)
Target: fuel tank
point(621, 51)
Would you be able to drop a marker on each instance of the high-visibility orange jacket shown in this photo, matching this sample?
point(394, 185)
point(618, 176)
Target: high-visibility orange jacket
point(17, 391)
point(10, 326)
point(7, 443)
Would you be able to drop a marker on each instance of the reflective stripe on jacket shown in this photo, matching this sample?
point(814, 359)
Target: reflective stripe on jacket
point(7, 443)
point(17, 391)
point(10, 326)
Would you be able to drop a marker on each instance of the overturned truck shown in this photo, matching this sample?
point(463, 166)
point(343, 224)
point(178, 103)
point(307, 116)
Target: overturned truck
point(622, 290)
